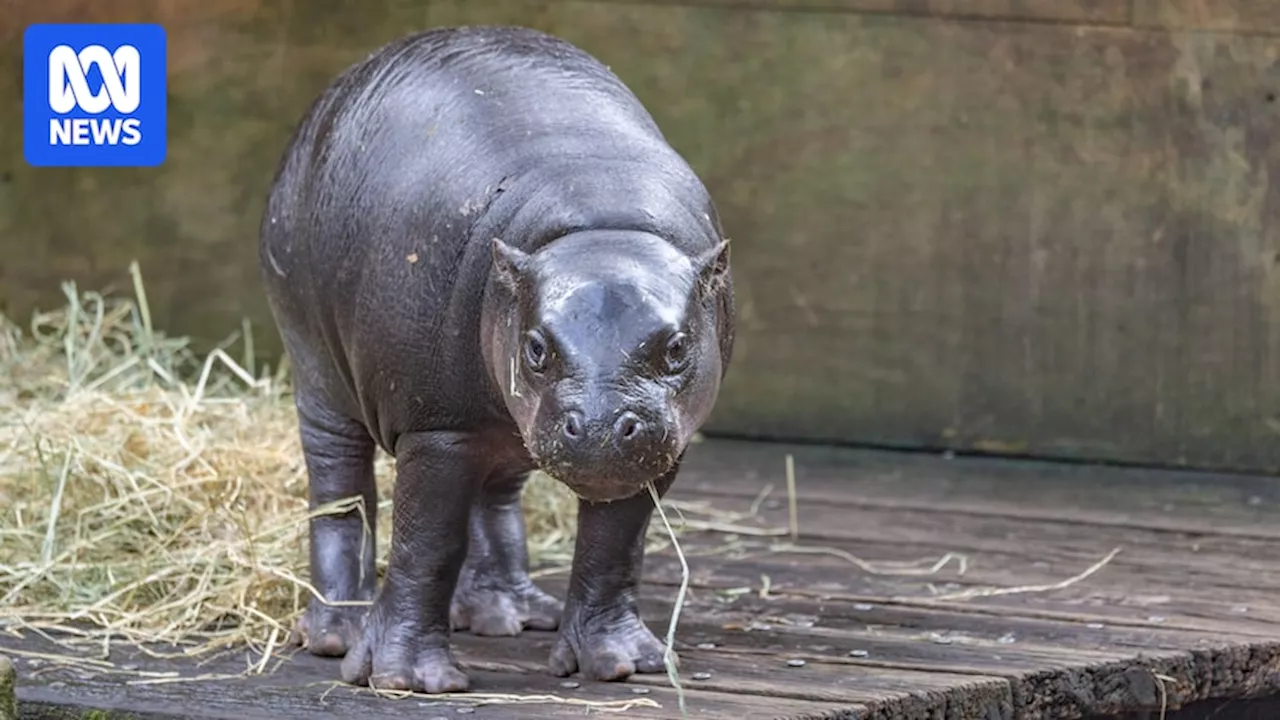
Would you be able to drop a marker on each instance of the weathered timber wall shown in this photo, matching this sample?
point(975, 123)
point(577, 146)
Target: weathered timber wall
point(1040, 226)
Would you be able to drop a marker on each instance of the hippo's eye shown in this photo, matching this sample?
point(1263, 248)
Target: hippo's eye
point(677, 352)
point(535, 352)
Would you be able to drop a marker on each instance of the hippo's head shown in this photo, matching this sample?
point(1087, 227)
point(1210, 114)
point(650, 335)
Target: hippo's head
point(608, 351)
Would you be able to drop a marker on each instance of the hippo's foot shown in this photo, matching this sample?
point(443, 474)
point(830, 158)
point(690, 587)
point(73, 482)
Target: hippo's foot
point(607, 645)
point(391, 656)
point(504, 607)
point(328, 630)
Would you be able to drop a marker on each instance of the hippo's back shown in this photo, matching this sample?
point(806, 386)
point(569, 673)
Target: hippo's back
point(436, 119)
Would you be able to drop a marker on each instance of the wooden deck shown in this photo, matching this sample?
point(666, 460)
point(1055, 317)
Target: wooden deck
point(1187, 611)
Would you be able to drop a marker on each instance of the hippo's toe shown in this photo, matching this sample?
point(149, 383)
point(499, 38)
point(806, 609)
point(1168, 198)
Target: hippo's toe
point(327, 630)
point(392, 657)
point(504, 610)
point(607, 646)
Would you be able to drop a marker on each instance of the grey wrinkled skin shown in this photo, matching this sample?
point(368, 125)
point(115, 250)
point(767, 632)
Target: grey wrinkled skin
point(484, 258)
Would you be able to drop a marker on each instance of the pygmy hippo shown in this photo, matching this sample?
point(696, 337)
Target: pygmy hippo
point(484, 258)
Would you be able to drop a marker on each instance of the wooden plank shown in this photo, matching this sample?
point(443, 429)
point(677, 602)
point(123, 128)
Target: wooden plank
point(1235, 610)
point(1093, 12)
point(1202, 576)
point(736, 683)
point(1252, 17)
point(1071, 652)
point(1236, 505)
point(1254, 709)
point(1056, 669)
point(1021, 237)
point(1086, 604)
point(307, 687)
point(1214, 635)
point(1061, 646)
point(1002, 549)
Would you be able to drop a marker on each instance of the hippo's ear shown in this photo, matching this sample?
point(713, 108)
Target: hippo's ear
point(712, 266)
point(509, 264)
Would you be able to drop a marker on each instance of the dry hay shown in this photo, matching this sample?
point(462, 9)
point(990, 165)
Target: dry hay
point(152, 496)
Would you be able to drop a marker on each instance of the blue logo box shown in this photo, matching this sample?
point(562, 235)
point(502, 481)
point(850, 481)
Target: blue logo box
point(95, 95)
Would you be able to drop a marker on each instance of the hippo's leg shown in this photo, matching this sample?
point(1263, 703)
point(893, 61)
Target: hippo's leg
point(601, 634)
point(405, 642)
point(495, 595)
point(339, 458)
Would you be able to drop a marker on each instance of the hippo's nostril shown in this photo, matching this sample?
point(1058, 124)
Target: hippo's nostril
point(628, 427)
point(573, 425)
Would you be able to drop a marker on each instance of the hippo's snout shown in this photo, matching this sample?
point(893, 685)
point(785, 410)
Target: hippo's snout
point(608, 454)
point(630, 432)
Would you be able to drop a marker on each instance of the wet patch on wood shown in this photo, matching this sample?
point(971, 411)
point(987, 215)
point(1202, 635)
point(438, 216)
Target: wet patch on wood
point(915, 587)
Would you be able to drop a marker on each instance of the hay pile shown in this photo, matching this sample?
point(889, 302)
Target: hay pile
point(150, 495)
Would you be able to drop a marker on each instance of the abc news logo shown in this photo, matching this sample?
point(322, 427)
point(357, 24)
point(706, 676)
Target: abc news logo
point(95, 95)
point(69, 89)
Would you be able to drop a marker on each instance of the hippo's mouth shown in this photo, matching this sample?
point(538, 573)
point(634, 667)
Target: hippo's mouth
point(602, 486)
point(604, 490)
